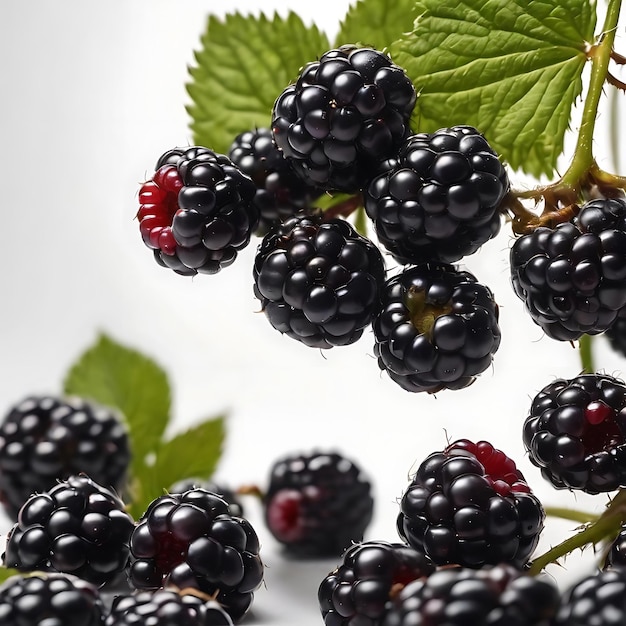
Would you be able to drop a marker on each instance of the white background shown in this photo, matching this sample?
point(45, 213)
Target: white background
point(92, 94)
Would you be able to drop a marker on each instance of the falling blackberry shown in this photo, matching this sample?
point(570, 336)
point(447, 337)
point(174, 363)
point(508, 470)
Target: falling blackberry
point(318, 282)
point(437, 328)
point(345, 114)
point(572, 278)
point(197, 211)
point(439, 198)
point(78, 527)
point(359, 590)
point(191, 540)
point(575, 433)
point(280, 192)
point(46, 438)
point(234, 502)
point(317, 504)
point(469, 505)
point(461, 596)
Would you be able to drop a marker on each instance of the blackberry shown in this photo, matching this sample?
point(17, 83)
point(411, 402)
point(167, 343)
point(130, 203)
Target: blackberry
point(345, 113)
point(575, 433)
point(192, 540)
point(280, 192)
point(460, 596)
point(358, 591)
point(616, 335)
point(234, 503)
point(318, 282)
point(437, 328)
point(46, 438)
point(596, 600)
point(50, 600)
point(572, 278)
point(439, 198)
point(318, 503)
point(197, 211)
point(78, 527)
point(166, 607)
point(616, 553)
point(469, 505)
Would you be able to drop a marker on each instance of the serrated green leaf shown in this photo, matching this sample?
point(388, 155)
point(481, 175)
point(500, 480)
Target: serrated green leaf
point(244, 64)
point(376, 23)
point(125, 379)
point(511, 69)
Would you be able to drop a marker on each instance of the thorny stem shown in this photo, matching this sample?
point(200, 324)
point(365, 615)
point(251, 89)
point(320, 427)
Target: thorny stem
point(582, 517)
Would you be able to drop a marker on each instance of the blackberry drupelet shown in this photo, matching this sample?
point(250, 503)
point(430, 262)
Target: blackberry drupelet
point(234, 503)
point(460, 596)
point(317, 504)
point(358, 591)
point(46, 438)
point(50, 600)
point(192, 540)
point(437, 328)
point(78, 527)
point(166, 607)
point(616, 553)
point(616, 334)
point(280, 192)
point(469, 505)
point(318, 282)
point(596, 600)
point(575, 433)
point(346, 113)
point(197, 211)
point(572, 278)
point(439, 198)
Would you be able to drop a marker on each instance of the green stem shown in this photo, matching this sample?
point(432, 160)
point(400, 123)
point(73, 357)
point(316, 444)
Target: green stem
point(361, 221)
point(586, 354)
point(600, 55)
point(583, 517)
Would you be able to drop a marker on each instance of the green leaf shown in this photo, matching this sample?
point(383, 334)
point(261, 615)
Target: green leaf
point(511, 69)
point(125, 379)
point(7, 572)
point(244, 64)
point(376, 23)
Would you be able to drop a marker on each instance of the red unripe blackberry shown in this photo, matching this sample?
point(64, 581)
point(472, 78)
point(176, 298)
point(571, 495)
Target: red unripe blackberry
point(191, 539)
point(317, 504)
point(469, 505)
point(372, 572)
point(575, 433)
point(46, 438)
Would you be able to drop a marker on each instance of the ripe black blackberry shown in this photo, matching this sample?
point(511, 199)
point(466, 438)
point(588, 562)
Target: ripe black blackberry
point(439, 198)
point(234, 502)
point(616, 334)
point(572, 278)
point(166, 607)
point(78, 527)
point(318, 282)
point(469, 505)
point(596, 600)
point(50, 600)
point(197, 211)
point(575, 433)
point(437, 328)
point(616, 552)
point(346, 113)
point(358, 591)
point(459, 597)
point(317, 504)
point(280, 192)
point(46, 438)
point(192, 540)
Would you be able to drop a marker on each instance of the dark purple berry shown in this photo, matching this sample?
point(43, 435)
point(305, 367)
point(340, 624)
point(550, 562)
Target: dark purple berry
point(234, 502)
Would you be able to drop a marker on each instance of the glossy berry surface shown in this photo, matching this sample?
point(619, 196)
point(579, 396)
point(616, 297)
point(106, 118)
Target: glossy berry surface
point(77, 527)
point(437, 328)
point(192, 540)
point(318, 282)
point(197, 211)
point(345, 113)
point(616, 335)
point(469, 505)
point(358, 590)
point(439, 198)
point(616, 553)
point(50, 600)
point(234, 502)
point(46, 438)
point(572, 278)
point(317, 504)
point(575, 433)
point(462, 597)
